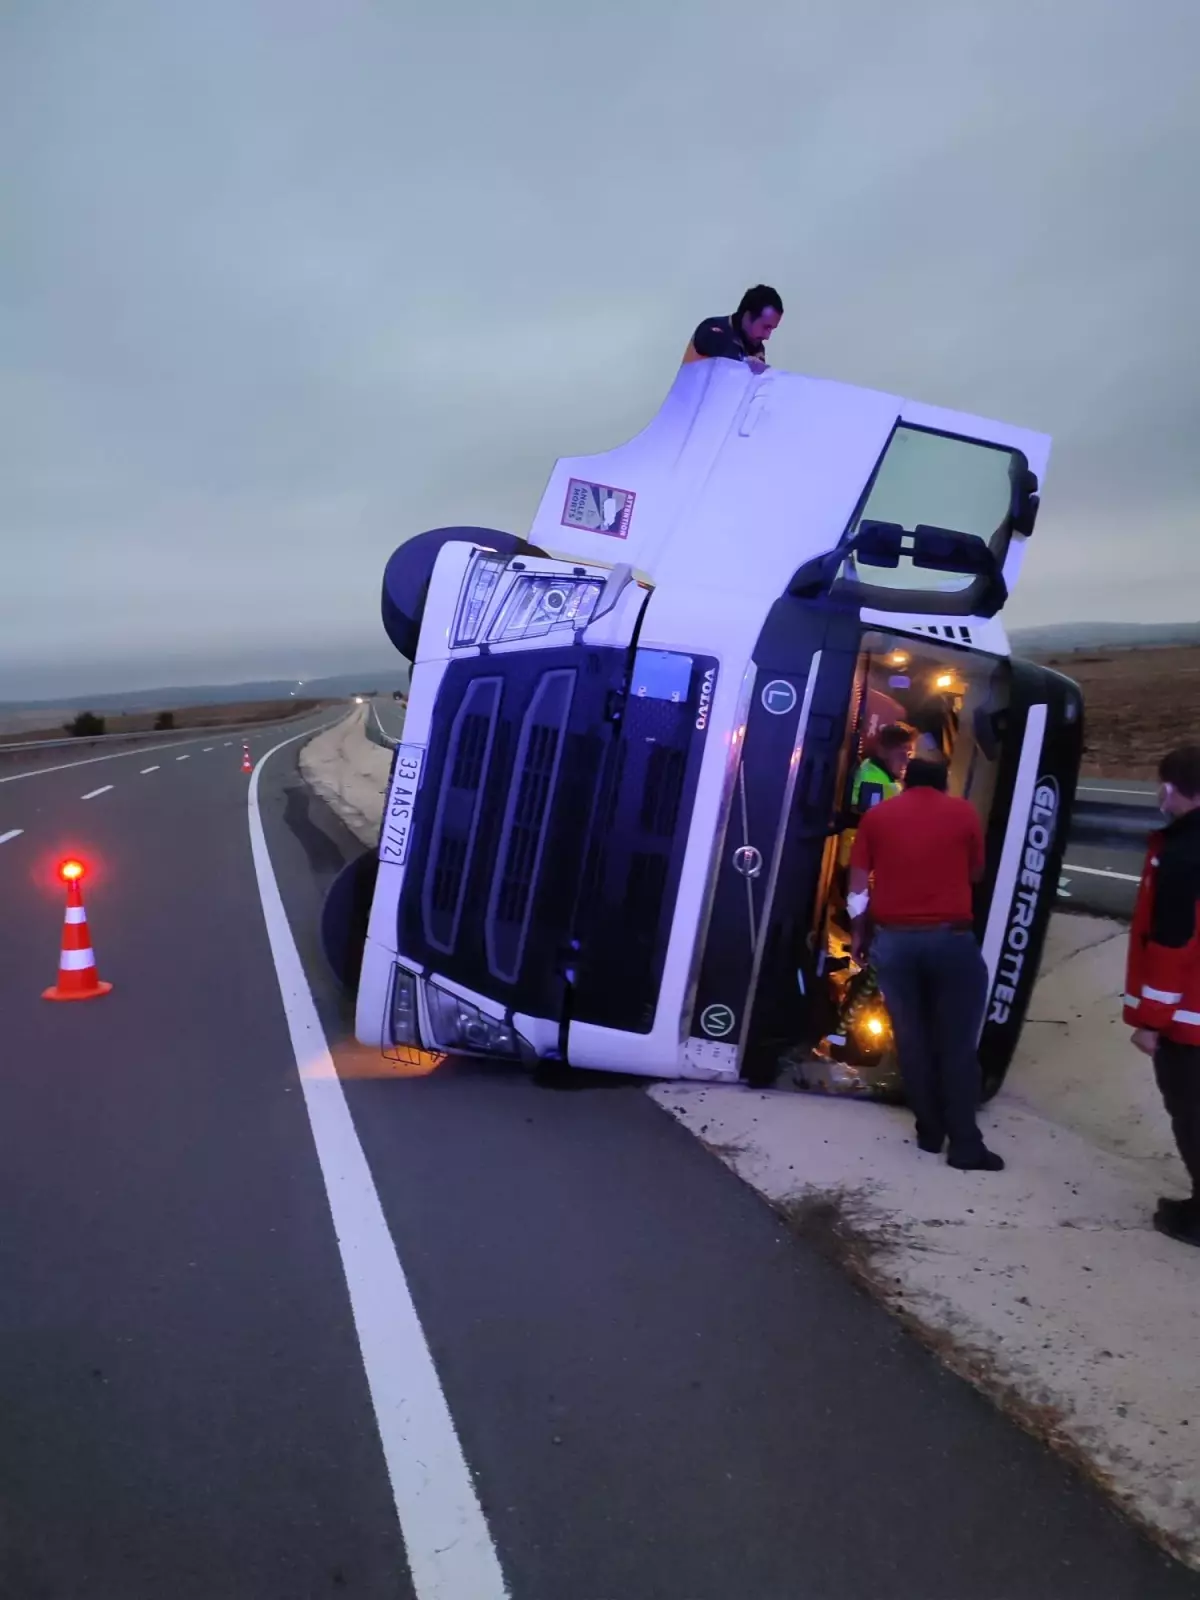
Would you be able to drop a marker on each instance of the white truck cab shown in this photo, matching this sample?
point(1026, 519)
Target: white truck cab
point(615, 829)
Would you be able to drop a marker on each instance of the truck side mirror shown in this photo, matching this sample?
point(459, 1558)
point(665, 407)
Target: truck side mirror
point(944, 550)
point(879, 544)
point(1025, 501)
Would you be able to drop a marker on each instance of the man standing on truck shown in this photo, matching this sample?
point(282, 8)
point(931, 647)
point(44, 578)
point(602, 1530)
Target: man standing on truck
point(914, 864)
point(744, 335)
point(1162, 982)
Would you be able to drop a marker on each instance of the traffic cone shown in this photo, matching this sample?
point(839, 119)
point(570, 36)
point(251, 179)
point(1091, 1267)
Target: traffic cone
point(77, 978)
point(246, 767)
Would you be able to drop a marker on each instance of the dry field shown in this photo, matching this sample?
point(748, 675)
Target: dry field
point(1137, 704)
point(218, 716)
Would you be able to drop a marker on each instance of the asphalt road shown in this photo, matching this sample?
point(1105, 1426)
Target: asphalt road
point(1105, 880)
point(659, 1393)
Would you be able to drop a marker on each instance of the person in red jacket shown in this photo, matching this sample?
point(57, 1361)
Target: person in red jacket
point(915, 861)
point(1162, 979)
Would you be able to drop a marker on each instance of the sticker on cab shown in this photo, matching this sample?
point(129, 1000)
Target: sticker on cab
point(597, 508)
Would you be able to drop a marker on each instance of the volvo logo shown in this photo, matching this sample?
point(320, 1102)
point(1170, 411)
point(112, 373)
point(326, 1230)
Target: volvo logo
point(707, 684)
point(747, 860)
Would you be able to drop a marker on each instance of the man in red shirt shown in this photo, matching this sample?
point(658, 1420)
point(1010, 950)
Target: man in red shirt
point(915, 860)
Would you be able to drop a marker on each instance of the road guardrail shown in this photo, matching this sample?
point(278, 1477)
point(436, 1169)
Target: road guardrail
point(1113, 824)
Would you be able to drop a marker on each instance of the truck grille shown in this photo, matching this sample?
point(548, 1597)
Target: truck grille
point(456, 821)
point(523, 832)
point(636, 855)
point(663, 791)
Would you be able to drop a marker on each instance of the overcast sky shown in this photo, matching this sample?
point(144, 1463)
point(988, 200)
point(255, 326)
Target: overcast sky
point(284, 283)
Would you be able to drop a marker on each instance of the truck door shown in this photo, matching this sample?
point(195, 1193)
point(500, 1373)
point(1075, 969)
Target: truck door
point(748, 994)
point(1026, 840)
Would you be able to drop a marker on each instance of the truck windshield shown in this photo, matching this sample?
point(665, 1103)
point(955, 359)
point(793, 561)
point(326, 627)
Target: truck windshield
point(939, 481)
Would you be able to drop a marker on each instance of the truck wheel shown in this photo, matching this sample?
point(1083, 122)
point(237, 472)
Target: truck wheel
point(344, 918)
point(407, 574)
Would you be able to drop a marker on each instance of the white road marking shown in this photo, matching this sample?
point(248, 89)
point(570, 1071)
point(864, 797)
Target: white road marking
point(13, 833)
point(1102, 872)
point(1137, 794)
point(228, 742)
point(181, 758)
point(90, 761)
point(208, 749)
point(92, 793)
point(449, 1547)
point(145, 770)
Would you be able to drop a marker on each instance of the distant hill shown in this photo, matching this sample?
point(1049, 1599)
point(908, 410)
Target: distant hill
point(393, 675)
point(1068, 636)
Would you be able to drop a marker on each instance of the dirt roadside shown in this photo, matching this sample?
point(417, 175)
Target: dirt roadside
point(1137, 705)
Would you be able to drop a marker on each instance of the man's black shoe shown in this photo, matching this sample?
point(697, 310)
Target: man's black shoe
point(984, 1161)
point(1179, 1212)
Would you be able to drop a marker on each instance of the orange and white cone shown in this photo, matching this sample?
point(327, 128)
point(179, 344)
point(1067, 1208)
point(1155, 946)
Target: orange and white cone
point(246, 767)
point(77, 978)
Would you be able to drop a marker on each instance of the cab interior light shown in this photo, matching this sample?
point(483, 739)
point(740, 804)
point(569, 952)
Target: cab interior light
point(871, 1026)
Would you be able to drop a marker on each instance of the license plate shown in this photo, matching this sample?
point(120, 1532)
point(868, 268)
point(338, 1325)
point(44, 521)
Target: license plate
point(401, 801)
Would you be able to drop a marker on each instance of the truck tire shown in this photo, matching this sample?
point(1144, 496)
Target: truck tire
point(344, 918)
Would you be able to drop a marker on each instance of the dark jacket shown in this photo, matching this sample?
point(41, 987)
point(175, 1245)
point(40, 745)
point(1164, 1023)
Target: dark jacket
point(1162, 979)
point(721, 336)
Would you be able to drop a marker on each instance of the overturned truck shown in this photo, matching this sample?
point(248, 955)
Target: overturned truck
point(616, 824)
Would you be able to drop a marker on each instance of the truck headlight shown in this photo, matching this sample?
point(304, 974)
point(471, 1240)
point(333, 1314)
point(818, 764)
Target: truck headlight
point(458, 1025)
point(537, 602)
point(483, 574)
point(406, 1029)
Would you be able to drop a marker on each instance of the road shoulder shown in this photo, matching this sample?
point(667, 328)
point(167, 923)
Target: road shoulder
point(1045, 1285)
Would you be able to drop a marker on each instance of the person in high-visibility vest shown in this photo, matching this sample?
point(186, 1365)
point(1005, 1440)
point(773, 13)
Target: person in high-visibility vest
point(881, 775)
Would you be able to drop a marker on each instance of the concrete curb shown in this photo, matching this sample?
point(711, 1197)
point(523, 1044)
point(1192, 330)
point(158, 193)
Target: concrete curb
point(350, 774)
